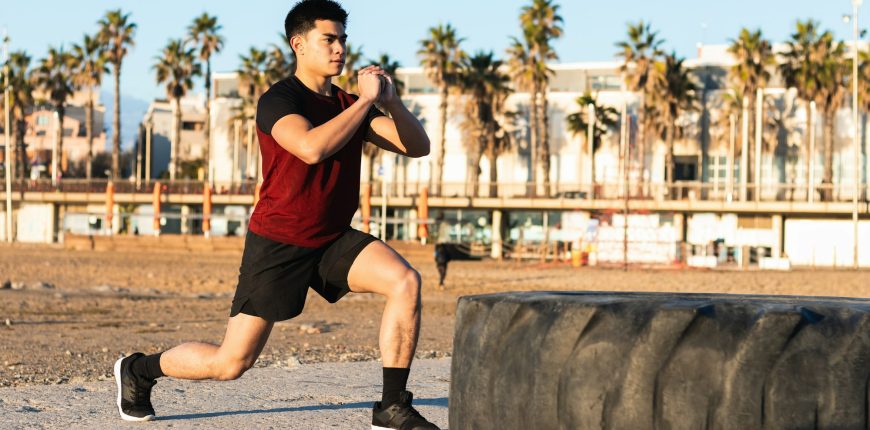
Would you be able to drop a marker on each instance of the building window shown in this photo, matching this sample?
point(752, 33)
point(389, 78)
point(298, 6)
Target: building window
point(191, 125)
point(42, 120)
point(604, 82)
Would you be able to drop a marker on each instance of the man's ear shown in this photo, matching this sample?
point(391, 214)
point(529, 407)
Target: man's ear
point(298, 44)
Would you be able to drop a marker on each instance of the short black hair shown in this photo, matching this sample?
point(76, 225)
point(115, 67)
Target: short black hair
point(300, 20)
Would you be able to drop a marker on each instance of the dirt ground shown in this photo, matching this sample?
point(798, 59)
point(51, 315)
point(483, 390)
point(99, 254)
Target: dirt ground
point(67, 315)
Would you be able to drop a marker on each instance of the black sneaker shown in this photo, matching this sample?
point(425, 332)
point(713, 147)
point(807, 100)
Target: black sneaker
point(134, 394)
point(400, 416)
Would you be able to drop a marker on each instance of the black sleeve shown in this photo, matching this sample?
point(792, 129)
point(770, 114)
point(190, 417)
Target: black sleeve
point(373, 113)
point(274, 105)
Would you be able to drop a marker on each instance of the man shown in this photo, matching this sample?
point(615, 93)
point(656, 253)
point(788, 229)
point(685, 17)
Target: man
point(442, 257)
point(311, 135)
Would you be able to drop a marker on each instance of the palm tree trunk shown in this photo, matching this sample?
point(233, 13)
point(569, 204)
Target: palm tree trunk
point(207, 152)
point(61, 112)
point(12, 163)
point(669, 164)
point(533, 140)
point(22, 152)
point(809, 155)
point(828, 178)
point(89, 131)
point(475, 166)
point(641, 132)
point(592, 168)
point(493, 172)
point(442, 143)
point(116, 126)
point(371, 161)
point(176, 144)
point(544, 118)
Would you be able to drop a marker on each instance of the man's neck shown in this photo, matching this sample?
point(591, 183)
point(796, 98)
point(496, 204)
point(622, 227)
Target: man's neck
point(318, 84)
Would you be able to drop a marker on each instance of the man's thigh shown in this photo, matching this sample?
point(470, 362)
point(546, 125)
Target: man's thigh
point(246, 337)
point(376, 269)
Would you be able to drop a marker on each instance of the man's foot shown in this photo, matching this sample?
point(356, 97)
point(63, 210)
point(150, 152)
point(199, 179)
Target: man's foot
point(399, 415)
point(134, 394)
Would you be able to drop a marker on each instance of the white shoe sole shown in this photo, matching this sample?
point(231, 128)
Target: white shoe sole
point(374, 427)
point(124, 416)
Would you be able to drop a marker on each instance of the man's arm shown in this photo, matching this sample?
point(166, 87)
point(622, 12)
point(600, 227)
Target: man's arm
point(403, 133)
point(314, 144)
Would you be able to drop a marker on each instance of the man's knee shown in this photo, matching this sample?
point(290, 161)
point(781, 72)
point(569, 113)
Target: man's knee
point(407, 286)
point(233, 368)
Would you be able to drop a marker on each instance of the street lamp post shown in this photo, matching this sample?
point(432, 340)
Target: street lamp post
point(855, 129)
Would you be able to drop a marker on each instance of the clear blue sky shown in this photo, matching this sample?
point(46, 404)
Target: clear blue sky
point(395, 26)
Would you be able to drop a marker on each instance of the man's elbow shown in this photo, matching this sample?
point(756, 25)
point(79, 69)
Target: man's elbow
point(421, 151)
point(310, 157)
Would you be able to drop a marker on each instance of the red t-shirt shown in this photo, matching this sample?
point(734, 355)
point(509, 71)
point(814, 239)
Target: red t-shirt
point(300, 204)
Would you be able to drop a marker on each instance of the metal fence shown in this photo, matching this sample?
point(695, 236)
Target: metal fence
point(681, 190)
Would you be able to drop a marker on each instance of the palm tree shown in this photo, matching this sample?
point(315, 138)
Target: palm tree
point(799, 69)
point(253, 73)
point(754, 59)
point(54, 78)
point(606, 121)
point(204, 34)
point(523, 72)
point(542, 24)
point(21, 101)
point(486, 88)
point(176, 67)
point(258, 71)
point(441, 57)
point(347, 79)
point(91, 64)
point(639, 52)
point(280, 62)
point(674, 93)
point(116, 34)
point(833, 77)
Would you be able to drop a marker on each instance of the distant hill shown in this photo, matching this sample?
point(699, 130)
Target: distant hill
point(132, 111)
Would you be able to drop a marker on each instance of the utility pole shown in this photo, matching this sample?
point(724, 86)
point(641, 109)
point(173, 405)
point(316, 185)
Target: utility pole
point(856, 157)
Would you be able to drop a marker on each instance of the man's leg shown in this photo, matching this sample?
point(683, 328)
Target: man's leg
point(379, 269)
point(135, 375)
point(243, 342)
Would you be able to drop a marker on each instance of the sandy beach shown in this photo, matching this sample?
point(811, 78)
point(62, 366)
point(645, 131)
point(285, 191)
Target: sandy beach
point(67, 315)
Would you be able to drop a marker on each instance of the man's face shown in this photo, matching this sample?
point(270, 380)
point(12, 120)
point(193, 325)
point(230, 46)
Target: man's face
point(322, 50)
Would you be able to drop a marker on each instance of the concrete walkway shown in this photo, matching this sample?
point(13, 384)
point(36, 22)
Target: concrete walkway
point(308, 396)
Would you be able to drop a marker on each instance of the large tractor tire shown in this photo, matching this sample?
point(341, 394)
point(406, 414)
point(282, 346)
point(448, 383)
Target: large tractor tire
point(590, 360)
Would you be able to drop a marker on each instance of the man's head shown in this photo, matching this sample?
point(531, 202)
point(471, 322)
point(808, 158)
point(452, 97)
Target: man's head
point(316, 31)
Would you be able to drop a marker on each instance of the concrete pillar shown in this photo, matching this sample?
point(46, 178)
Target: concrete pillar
point(185, 211)
point(680, 230)
point(496, 235)
point(777, 236)
point(412, 224)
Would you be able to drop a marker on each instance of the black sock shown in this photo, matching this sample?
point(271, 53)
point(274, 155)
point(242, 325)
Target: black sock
point(395, 381)
point(147, 367)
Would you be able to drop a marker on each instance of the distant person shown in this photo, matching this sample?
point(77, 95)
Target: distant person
point(442, 257)
point(311, 135)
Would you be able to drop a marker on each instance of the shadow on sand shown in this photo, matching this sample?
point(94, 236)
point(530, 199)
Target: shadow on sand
point(440, 401)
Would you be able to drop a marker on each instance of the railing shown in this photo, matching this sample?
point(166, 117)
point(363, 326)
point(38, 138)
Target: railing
point(678, 191)
point(246, 187)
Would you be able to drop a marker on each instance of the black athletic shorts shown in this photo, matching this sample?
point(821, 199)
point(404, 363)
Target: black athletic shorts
point(274, 277)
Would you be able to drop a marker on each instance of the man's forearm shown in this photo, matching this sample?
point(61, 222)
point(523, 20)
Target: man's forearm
point(411, 132)
point(321, 142)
